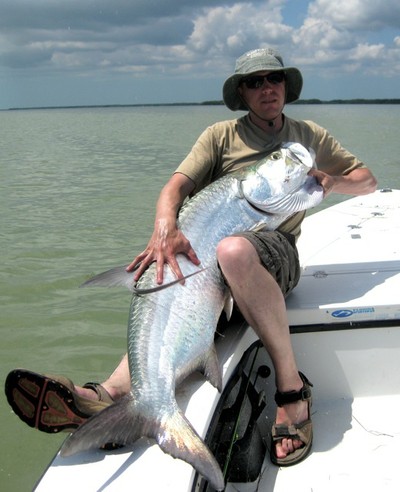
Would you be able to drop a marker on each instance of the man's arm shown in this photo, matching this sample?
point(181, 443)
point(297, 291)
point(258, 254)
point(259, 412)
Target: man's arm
point(167, 240)
point(360, 181)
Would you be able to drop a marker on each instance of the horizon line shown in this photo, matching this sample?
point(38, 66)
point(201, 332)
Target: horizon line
point(204, 103)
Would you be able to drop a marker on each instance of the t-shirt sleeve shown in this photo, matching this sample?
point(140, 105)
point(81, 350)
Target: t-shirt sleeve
point(201, 164)
point(330, 156)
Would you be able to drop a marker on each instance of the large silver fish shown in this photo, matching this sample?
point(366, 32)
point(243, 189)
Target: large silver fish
point(171, 331)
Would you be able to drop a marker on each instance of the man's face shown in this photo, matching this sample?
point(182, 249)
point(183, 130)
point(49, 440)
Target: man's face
point(264, 93)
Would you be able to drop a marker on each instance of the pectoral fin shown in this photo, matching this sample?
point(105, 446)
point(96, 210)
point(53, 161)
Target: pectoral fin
point(116, 277)
point(119, 277)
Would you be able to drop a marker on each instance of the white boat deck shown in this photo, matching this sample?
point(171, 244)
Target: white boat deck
point(351, 263)
point(355, 448)
point(355, 414)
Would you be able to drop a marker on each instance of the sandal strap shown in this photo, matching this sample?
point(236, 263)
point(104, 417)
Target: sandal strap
point(102, 393)
point(302, 432)
point(286, 397)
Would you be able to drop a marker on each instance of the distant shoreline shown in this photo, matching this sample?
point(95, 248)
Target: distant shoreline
point(206, 103)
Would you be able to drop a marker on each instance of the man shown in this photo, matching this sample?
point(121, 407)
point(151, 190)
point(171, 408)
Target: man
point(260, 267)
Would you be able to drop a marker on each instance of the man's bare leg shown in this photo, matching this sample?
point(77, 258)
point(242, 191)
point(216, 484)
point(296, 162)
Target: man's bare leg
point(262, 304)
point(117, 385)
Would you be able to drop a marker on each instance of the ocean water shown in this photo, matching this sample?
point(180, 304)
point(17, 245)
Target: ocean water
point(77, 194)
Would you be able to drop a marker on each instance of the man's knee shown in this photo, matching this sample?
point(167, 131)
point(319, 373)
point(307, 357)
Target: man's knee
point(234, 252)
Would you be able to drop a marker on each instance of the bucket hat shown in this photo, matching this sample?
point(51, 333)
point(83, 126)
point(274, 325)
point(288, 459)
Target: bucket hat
point(255, 61)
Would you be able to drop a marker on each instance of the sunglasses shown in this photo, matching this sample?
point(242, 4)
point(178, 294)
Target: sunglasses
point(257, 81)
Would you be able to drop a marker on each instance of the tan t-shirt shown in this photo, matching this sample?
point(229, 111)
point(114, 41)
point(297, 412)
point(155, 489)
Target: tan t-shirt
point(230, 145)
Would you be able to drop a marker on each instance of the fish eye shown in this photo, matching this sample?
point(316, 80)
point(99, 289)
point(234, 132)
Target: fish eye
point(275, 156)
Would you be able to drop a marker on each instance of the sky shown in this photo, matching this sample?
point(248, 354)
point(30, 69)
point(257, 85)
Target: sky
point(100, 52)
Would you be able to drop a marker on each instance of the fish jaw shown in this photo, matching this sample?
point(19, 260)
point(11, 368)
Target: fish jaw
point(280, 183)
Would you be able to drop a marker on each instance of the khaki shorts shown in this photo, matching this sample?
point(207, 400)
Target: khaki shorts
point(278, 253)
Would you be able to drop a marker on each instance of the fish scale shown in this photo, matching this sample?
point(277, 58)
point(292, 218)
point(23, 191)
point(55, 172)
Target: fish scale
point(171, 331)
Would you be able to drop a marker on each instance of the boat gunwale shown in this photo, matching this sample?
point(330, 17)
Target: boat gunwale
point(349, 325)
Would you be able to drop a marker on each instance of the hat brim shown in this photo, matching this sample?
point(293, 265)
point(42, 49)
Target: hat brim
point(232, 99)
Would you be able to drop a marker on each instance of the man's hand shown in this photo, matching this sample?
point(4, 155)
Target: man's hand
point(163, 247)
point(167, 241)
point(325, 180)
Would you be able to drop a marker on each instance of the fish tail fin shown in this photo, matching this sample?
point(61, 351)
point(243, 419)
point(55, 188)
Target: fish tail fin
point(123, 423)
point(118, 423)
point(178, 438)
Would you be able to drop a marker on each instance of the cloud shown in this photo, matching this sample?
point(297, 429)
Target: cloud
point(238, 27)
point(337, 36)
point(43, 33)
point(358, 14)
point(177, 39)
point(175, 36)
point(221, 34)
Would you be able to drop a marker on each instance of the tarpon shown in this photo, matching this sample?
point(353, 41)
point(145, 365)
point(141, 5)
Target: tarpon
point(171, 331)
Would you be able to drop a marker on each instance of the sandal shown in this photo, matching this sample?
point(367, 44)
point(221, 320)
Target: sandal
point(302, 432)
point(50, 403)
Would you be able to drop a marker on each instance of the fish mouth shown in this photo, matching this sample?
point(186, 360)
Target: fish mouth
point(294, 157)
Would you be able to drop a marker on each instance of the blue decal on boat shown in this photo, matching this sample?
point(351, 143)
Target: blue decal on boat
point(342, 313)
point(345, 313)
